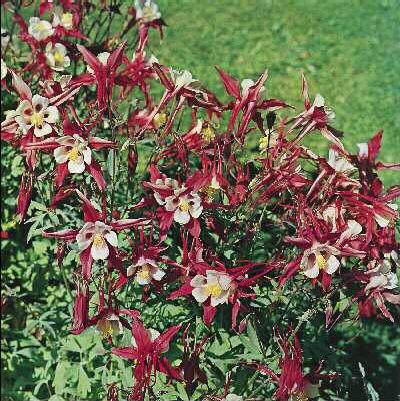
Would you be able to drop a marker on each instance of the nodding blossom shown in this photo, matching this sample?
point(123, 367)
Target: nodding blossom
point(145, 271)
point(109, 325)
point(148, 11)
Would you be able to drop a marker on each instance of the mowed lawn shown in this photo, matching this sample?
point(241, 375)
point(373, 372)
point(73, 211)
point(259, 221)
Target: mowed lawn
point(348, 49)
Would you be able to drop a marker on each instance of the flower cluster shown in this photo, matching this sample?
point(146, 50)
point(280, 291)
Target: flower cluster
point(165, 198)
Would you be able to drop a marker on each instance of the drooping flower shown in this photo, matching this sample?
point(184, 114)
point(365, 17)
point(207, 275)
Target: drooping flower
point(145, 271)
point(40, 29)
point(56, 55)
point(381, 277)
point(109, 325)
point(319, 257)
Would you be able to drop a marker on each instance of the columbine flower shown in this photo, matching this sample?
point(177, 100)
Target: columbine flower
point(382, 277)
point(98, 236)
point(184, 206)
point(37, 114)
point(319, 257)
point(40, 29)
point(109, 325)
point(216, 285)
point(148, 12)
point(103, 57)
point(3, 69)
point(56, 56)
point(211, 189)
point(159, 119)
point(63, 19)
point(146, 271)
point(74, 150)
point(267, 141)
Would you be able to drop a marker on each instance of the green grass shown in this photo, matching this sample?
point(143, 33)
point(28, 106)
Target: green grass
point(348, 49)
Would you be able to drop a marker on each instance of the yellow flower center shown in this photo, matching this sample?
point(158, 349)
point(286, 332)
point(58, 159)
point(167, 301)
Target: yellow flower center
point(41, 26)
point(107, 330)
point(208, 134)
point(58, 57)
point(263, 144)
point(98, 240)
point(321, 262)
point(209, 191)
point(37, 119)
point(144, 273)
point(73, 155)
point(213, 289)
point(66, 20)
point(159, 119)
point(184, 205)
point(148, 13)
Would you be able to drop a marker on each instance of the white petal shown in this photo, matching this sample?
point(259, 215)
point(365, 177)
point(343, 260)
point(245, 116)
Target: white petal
point(311, 272)
point(196, 210)
point(61, 154)
point(45, 130)
point(77, 166)
point(51, 114)
point(181, 217)
point(319, 101)
point(87, 155)
point(198, 281)
point(171, 203)
point(223, 298)
point(39, 101)
point(100, 252)
point(199, 294)
point(224, 281)
point(333, 264)
point(158, 274)
point(111, 238)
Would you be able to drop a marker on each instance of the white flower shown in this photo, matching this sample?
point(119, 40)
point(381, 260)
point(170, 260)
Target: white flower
point(184, 206)
point(339, 163)
point(181, 78)
point(75, 151)
point(109, 326)
point(319, 257)
point(384, 221)
point(97, 235)
point(5, 38)
point(103, 57)
point(146, 270)
point(331, 214)
point(63, 19)
point(148, 12)
point(40, 29)
point(382, 277)
point(353, 229)
point(37, 114)
point(216, 285)
point(3, 69)
point(56, 56)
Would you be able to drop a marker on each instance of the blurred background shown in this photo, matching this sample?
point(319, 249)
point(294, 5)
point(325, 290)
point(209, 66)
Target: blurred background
point(350, 52)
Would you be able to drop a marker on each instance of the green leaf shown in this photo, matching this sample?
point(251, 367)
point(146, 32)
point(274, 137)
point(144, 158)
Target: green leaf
point(83, 383)
point(60, 377)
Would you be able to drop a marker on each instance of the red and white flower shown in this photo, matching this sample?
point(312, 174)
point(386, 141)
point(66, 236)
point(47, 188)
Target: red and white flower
point(74, 150)
point(109, 326)
point(40, 29)
point(147, 12)
point(56, 55)
point(37, 114)
point(98, 236)
point(145, 271)
point(185, 206)
point(381, 277)
point(215, 285)
point(319, 257)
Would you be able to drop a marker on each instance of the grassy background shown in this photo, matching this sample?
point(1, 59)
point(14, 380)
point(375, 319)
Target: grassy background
point(348, 49)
